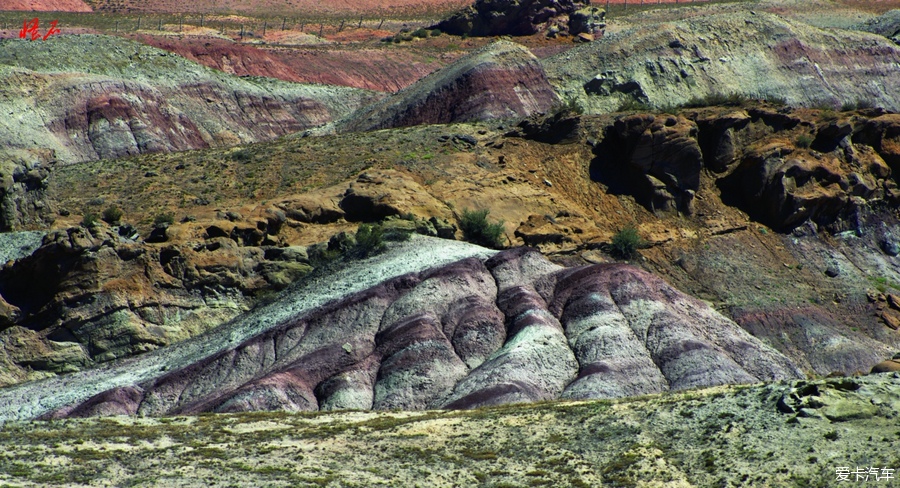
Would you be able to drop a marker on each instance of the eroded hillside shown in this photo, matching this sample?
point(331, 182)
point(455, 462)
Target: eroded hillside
point(802, 255)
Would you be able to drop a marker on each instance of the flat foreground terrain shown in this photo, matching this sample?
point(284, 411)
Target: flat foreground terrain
point(726, 436)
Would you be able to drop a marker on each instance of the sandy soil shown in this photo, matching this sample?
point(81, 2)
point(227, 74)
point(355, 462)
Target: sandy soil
point(281, 6)
point(46, 5)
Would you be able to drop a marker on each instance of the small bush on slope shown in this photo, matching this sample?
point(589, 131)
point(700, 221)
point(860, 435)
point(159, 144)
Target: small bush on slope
point(478, 230)
point(626, 242)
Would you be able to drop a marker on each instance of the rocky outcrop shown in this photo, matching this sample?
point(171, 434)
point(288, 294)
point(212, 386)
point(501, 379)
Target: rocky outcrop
point(839, 168)
point(886, 24)
point(470, 333)
point(749, 53)
point(502, 80)
point(95, 97)
point(661, 158)
point(782, 166)
point(24, 201)
point(98, 294)
point(524, 18)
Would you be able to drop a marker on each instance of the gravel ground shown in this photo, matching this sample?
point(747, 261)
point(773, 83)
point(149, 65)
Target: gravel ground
point(17, 245)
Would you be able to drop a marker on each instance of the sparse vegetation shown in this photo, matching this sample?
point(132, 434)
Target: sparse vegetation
point(803, 141)
point(632, 105)
point(717, 98)
point(112, 215)
point(369, 240)
point(477, 229)
point(860, 104)
point(626, 243)
point(89, 219)
point(164, 219)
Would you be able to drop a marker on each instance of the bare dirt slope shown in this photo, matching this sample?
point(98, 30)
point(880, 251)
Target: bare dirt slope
point(500, 81)
point(91, 97)
point(370, 66)
point(349, 7)
point(46, 5)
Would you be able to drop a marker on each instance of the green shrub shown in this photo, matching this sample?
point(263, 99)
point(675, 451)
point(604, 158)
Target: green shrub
point(632, 105)
point(163, 220)
point(478, 230)
point(420, 33)
point(717, 98)
point(626, 242)
point(242, 156)
point(369, 240)
point(858, 105)
point(803, 141)
point(435, 32)
point(112, 215)
point(89, 219)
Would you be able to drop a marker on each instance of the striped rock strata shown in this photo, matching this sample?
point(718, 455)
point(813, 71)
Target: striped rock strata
point(512, 328)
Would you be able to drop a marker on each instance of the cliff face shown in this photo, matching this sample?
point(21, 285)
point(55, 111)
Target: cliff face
point(753, 54)
point(502, 80)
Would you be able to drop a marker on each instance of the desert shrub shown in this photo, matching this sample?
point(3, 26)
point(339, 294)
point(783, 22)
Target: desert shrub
point(803, 141)
point(857, 105)
point(369, 240)
point(478, 230)
point(164, 219)
point(435, 32)
point(717, 98)
point(387, 39)
point(632, 105)
point(824, 105)
point(420, 33)
point(626, 242)
point(89, 219)
point(112, 215)
point(570, 106)
point(776, 100)
point(242, 156)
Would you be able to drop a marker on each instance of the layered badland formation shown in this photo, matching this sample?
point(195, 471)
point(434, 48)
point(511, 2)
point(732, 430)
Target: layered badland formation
point(755, 163)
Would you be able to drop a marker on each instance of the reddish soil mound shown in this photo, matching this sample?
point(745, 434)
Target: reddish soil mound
point(372, 69)
point(233, 58)
point(282, 6)
point(46, 5)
